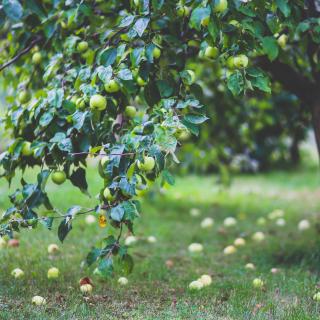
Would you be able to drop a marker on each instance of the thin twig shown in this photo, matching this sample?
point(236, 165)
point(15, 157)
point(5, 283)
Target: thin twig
point(21, 53)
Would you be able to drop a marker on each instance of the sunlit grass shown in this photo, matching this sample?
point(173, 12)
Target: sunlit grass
point(157, 292)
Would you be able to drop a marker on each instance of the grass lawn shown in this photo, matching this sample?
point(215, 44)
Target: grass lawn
point(158, 292)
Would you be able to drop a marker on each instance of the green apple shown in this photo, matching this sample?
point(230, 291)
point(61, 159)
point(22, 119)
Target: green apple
point(141, 82)
point(107, 194)
point(230, 62)
point(74, 99)
point(17, 273)
point(80, 103)
point(220, 5)
point(125, 37)
point(234, 23)
point(156, 53)
point(211, 52)
point(98, 102)
point(58, 177)
point(147, 164)
point(82, 46)
point(192, 76)
point(183, 11)
point(24, 96)
point(193, 43)
point(112, 86)
point(38, 301)
point(37, 58)
point(130, 111)
point(53, 248)
point(282, 41)
point(101, 166)
point(26, 149)
point(241, 61)
point(86, 288)
point(205, 21)
point(257, 283)
point(53, 273)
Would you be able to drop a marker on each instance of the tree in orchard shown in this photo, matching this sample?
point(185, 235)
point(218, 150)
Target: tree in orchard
point(113, 79)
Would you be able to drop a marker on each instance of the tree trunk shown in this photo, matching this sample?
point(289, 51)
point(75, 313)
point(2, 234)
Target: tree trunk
point(316, 121)
point(294, 152)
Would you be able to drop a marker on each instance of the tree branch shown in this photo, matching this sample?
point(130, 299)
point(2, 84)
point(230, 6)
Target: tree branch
point(291, 80)
point(20, 54)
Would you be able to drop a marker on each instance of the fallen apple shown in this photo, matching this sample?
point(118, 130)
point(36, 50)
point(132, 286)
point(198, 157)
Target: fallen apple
point(123, 281)
point(53, 273)
point(53, 248)
point(38, 301)
point(17, 273)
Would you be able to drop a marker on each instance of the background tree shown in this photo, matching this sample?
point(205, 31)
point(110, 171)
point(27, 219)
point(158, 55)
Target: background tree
point(115, 79)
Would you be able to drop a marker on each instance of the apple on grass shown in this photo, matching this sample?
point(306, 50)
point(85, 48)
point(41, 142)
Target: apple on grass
point(38, 301)
point(86, 288)
point(123, 281)
point(195, 285)
point(17, 273)
point(205, 279)
point(53, 248)
point(53, 273)
point(13, 243)
point(58, 177)
point(257, 283)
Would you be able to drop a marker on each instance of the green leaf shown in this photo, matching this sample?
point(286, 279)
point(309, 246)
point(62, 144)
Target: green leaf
point(261, 83)
point(141, 25)
point(93, 256)
point(168, 177)
point(126, 21)
point(47, 222)
point(117, 213)
point(236, 83)
point(198, 15)
point(78, 179)
point(65, 145)
point(104, 73)
point(108, 57)
point(284, 7)
point(125, 74)
point(165, 89)
point(64, 228)
point(46, 118)
point(270, 47)
point(106, 267)
point(195, 119)
point(126, 264)
point(130, 211)
point(13, 9)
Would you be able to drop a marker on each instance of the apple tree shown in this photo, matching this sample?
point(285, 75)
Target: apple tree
point(116, 80)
